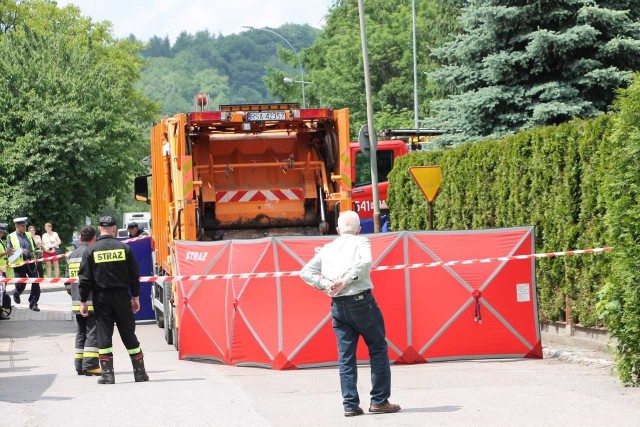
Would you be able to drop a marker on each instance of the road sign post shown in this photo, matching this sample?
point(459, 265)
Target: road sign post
point(428, 179)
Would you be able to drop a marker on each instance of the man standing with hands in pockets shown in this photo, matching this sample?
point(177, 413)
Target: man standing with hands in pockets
point(342, 270)
point(110, 270)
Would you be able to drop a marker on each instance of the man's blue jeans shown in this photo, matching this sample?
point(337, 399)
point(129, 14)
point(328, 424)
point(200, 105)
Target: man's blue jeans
point(355, 316)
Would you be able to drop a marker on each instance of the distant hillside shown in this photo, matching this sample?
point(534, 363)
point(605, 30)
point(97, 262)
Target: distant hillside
point(230, 68)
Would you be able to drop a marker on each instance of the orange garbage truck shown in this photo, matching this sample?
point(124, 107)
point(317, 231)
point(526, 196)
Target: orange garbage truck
point(243, 171)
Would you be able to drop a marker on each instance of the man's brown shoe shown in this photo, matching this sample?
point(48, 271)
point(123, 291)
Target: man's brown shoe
point(384, 408)
point(353, 412)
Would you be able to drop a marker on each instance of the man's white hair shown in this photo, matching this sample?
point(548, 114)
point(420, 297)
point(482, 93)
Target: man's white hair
point(348, 222)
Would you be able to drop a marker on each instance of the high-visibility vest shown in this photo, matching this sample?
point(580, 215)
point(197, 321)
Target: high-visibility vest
point(3, 259)
point(15, 244)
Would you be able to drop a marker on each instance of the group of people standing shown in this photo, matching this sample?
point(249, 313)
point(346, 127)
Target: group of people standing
point(106, 292)
point(108, 289)
point(26, 245)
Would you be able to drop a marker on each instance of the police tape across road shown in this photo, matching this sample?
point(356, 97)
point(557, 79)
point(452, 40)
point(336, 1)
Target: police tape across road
point(57, 257)
point(226, 276)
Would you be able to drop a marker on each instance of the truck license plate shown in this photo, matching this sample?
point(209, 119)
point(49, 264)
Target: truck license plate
point(262, 116)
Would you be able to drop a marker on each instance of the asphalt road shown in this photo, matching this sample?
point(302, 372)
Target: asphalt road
point(39, 387)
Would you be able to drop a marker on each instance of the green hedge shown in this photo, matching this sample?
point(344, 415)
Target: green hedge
point(620, 297)
point(576, 182)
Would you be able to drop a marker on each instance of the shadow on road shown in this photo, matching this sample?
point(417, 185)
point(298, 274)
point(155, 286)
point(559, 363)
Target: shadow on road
point(169, 380)
point(20, 369)
point(36, 328)
point(26, 389)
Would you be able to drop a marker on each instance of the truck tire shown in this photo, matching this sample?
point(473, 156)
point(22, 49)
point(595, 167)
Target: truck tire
point(176, 341)
point(159, 318)
point(330, 150)
point(157, 313)
point(168, 312)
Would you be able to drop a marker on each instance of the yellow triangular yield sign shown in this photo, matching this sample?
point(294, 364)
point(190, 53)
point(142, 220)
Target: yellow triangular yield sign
point(428, 179)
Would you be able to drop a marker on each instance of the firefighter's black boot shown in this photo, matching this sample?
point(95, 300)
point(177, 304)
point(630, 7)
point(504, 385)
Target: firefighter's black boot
point(139, 373)
point(78, 363)
point(106, 363)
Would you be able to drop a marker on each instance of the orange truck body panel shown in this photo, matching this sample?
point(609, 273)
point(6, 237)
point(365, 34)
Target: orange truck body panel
point(255, 168)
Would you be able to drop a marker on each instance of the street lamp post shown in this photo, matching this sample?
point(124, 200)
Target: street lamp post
point(289, 80)
point(415, 66)
point(302, 82)
point(372, 133)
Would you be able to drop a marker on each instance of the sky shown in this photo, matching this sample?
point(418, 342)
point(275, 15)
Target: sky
point(146, 18)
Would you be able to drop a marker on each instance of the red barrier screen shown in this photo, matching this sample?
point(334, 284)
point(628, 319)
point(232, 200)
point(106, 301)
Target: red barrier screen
point(466, 310)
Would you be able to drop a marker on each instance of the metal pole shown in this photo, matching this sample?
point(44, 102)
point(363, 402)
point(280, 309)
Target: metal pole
point(373, 140)
point(294, 52)
point(430, 215)
point(415, 66)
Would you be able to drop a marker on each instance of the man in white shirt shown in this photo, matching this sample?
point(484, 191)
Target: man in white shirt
point(342, 270)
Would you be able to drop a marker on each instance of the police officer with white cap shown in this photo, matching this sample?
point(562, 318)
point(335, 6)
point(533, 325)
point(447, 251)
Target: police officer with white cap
point(20, 239)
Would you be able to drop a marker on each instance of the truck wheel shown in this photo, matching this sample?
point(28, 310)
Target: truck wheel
point(159, 315)
point(176, 341)
point(159, 318)
point(330, 149)
point(168, 334)
point(168, 312)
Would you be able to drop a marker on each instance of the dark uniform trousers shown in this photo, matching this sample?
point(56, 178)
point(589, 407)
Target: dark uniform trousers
point(28, 270)
point(114, 306)
point(86, 343)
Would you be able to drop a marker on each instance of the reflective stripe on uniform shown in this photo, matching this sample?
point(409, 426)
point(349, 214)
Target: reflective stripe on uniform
point(76, 308)
point(105, 350)
point(88, 354)
point(134, 350)
point(79, 355)
point(74, 267)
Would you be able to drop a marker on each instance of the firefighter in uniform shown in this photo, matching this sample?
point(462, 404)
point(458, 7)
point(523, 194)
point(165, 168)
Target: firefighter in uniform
point(21, 239)
point(5, 301)
point(86, 355)
point(134, 230)
point(110, 270)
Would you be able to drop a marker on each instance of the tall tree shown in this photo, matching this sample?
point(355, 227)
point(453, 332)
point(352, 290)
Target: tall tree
point(334, 62)
point(521, 64)
point(157, 47)
point(230, 68)
point(72, 125)
point(173, 82)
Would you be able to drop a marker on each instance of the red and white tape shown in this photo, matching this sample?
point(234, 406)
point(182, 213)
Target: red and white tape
point(57, 257)
point(226, 276)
